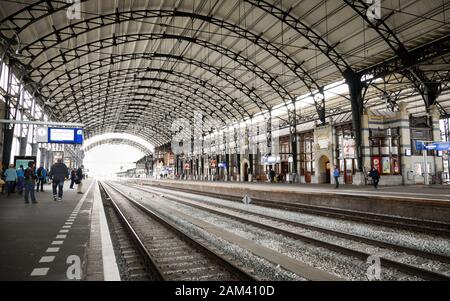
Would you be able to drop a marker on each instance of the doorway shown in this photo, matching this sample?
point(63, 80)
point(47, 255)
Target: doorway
point(328, 173)
point(324, 170)
point(245, 170)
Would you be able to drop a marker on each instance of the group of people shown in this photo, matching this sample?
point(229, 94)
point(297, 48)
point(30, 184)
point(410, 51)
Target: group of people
point(29, 179)
point(19, 179)
point(274, 177)
point(374, 174)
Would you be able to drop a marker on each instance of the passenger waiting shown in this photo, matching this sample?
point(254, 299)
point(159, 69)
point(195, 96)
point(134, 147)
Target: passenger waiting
point(41, 174)
point(79, 180)
point(30, 182)
point(375, 175)
point(58, 173)
point(20, 179)
point(271, 175)
point(2, 180)
point(336, 176)
point(73, 177)
point(10, 178)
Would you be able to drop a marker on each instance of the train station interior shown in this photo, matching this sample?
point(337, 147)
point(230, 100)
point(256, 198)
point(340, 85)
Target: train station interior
point(225, 140)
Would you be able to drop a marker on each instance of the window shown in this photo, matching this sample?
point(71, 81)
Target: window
point(285, 148)
point(307, 157)
point(385, 150)
point(421, 130)
point(346, 151)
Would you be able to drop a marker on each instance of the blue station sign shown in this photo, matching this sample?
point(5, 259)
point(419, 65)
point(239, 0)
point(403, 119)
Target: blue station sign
point(65, 135)
point(438, 146)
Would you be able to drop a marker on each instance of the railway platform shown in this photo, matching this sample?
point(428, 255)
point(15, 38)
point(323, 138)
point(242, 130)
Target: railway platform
point(51, 241)
point(418, 202)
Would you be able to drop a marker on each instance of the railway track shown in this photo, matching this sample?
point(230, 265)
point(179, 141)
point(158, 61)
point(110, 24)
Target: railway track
point(415, 225)
point(132, 264)
point(170, 254)
point(403, 267)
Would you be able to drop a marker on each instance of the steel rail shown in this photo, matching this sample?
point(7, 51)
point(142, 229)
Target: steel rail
point(423, 226)
point(224, 263)
point(354, 237)
point(388, 263)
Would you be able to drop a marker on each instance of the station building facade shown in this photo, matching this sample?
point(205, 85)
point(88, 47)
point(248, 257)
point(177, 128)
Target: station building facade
point(389, 143)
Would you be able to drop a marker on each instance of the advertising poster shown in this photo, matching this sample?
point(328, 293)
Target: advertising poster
point(349, 148)
point(386, 165)
point(376, 163)
point(23, 160)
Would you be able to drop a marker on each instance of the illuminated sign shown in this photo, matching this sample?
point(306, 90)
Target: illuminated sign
point(65, 135)
point(222, 165)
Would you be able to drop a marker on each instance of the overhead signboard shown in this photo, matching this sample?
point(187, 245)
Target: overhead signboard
point(438, 146)
point(65, 135)
point(270, 160)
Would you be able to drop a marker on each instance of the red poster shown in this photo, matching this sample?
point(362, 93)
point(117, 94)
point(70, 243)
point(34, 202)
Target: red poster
point(376, 162)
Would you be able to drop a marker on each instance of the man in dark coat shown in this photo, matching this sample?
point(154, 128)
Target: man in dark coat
point(375, 175)
point(30, 182)
point(58, 173)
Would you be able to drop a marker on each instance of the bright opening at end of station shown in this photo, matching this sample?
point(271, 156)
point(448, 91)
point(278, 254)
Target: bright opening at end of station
point(104, 161)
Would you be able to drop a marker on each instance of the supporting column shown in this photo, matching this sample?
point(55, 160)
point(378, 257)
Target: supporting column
point(8, 133)
point(355, 89)
point(293, 138)
point(438, 161)
point(42, 157)
point(23, 146)
point(2, 129)
point(34, 149)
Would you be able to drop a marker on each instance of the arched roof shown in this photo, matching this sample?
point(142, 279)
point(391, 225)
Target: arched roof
point(118, 138)
point(134, 66)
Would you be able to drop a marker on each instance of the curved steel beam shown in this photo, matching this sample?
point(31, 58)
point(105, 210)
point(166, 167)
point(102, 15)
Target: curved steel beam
point(119, 141)
point(304, 30)
point(163, 119)
point(428, 90)
point(98, 45)
point(123, 74)
point(32, 12)
point(192, 92)
point(113, 59)
point(73, 30)
point(173, 104)
point(147, 131)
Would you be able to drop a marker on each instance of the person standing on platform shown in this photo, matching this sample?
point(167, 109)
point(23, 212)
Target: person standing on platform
point(73, 177)
point(20, 179)
point(58, 173)
point(30, 182)
point(271, 175)
point(79, 179)
point(41, 174)
point(10, 178)
point(336, 176)
point(2, 181)
point(375, 175)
